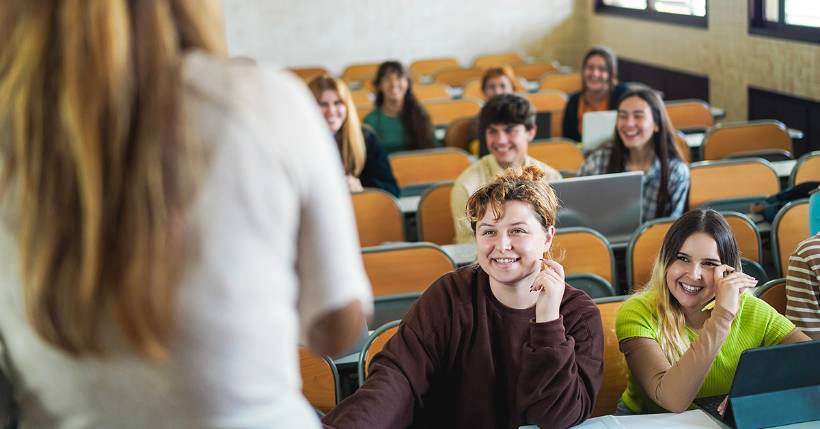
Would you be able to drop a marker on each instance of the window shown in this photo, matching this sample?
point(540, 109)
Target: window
point(789, 19)
point(685, 12)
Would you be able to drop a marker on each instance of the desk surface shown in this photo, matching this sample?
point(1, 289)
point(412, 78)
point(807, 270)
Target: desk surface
point(696, 139)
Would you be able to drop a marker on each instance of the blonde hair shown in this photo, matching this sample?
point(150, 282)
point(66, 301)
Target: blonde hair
point(97, 164)
point(350, 137)
point(672, 336)
point(515, 184)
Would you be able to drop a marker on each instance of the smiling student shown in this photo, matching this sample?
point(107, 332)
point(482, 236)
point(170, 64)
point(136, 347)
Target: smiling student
point(643, 141)
point(508, 123)
point(675, 348)
point(499, 344)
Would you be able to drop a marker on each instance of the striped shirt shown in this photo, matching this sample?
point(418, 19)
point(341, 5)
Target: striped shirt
point(803, 287)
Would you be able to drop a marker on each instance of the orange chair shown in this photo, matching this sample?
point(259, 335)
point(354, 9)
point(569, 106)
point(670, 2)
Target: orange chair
point(615, 368)
point(472, 89)
point(404, 268)
point(746, 234)
point(428, 166)
point(442, 112)
point(584, 250)
point(643, 249)
point(712, 181)
point(458, 77)
point(426, 68)
point(362, 97)
point(498, 60)
point(568, 83)
point(559, 153)
point(378, 339)
point(690, 114)
point(308, 73)
point(319, 380)
point(774, 293)
point(360, 73)
point(434, 217)
point(551, 102)
point(431, 91)
point(683, 147)
point(807, 169)
point(751, 138)
point(459, 132)
point(363, 110)
point(534, 71)
point(378, 217)
point(790, 227)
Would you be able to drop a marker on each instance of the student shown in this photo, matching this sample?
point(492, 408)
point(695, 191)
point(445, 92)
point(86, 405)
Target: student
point(600, 90)
point(399, 119)
point(172, 224)
point(363, 159)
point(675, 347)
point(803, 279)
point(643, 141)
point(508, 123)
point(496, 81)
point(499, 344)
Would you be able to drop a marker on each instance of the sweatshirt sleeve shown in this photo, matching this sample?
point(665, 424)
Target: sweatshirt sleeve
point(563, 366)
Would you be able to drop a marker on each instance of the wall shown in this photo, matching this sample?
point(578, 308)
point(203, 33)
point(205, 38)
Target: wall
point(336, 33)
point(725, 52)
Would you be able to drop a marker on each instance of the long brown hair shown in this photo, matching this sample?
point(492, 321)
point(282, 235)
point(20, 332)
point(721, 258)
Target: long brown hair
point(96, 162)
point(418, 129)
point(349, 137)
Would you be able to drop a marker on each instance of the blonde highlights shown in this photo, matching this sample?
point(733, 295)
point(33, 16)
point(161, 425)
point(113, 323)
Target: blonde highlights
point(96, 162)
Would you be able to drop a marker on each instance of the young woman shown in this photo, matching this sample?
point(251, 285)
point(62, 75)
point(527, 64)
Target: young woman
point(172, 224)
point(399, 119)
point(502, 343)
point(599, 90)
point(363, 159)
point(643, 141)
point(676, 348)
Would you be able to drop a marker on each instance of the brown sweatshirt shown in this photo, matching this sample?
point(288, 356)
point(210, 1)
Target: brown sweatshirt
point(461, 359)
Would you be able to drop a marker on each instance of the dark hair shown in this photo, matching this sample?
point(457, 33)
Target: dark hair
point(663, 142)
point(611, 65)
point(700, 220)
point(506, 109)
point(418, 130)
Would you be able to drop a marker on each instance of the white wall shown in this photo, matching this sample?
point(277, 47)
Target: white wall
point(336, 33)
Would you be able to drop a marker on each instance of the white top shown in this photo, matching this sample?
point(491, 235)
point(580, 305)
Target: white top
point(276, 248)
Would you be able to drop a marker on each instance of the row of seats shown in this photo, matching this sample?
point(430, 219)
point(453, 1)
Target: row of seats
point(320, 376)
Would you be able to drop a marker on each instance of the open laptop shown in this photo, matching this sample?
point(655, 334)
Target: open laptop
point(608, 203)
point(598, 128)
point(773, 386)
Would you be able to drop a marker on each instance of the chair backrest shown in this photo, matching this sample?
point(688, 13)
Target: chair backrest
point(423, 68)
point(754, 269)
point(727, 139)
point(362, 97)
point(683, 147)
point(374, 345)
point(396, 269)
point(434, 217)
point(746, 234)
point(806, 170)
point(690, 114)
point(428, 166)
point(320, 383)
point(378, 217)
point(431, 91)
point(774, 293)
point(643, 249)
point(442, 112)
point(498, 60)
point(569, 83)
point(458, 76)
point(552, 102)
point(363, 110)
point(308, 73)
point(615, 369)
point(594, 285)
point(790, 227)
point(360, 72)
point(584, 250)
point(559, 153)
point(459, 132)
point(737, 178)
point(472, 89)
point(533, 71)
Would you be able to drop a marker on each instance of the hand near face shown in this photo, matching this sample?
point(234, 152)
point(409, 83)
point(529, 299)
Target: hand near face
point(354, 184)
point(549, 285)
point(729, 284)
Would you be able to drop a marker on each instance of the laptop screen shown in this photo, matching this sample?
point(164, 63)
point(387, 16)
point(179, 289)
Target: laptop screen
point(598, 128)
point(607, 203)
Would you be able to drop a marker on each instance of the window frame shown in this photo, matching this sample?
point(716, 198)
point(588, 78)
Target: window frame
point(759, 26)
point(649, 14)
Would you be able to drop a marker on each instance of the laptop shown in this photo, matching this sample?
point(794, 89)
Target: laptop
point(773, 386)
point(598, 128)
point(608, 203)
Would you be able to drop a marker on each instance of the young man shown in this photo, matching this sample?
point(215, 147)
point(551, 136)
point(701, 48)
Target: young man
point(508, 123)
